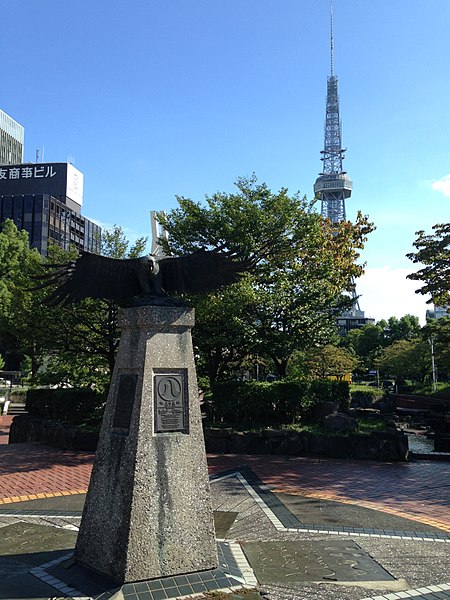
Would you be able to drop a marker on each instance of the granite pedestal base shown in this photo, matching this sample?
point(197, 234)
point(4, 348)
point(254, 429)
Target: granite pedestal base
point(77, 581)
point(148, 512)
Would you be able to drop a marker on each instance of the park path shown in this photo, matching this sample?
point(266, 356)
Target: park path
point(417, 490)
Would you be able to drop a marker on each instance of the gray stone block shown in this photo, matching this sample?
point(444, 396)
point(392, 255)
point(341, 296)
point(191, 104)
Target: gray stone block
point(148, 512)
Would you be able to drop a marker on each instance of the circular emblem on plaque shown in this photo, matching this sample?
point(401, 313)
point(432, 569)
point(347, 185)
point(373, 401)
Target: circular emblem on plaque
point(169, 389)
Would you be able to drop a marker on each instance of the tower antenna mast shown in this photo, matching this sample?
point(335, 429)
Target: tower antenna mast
point(332, 38)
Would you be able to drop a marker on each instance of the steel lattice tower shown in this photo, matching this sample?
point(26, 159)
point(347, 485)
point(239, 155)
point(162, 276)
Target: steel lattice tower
point(333, 186)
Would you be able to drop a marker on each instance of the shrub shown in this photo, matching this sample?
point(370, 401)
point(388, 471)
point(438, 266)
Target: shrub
point(72, 405)
point(262, 404)
point(323, 390)
point(364, 396)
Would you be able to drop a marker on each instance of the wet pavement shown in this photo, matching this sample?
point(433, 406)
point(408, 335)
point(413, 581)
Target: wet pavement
point(291, 527)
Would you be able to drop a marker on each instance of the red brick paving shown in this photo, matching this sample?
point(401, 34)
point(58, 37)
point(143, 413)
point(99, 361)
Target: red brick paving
point(5, 423)
point(28, 470)
point(418, 490)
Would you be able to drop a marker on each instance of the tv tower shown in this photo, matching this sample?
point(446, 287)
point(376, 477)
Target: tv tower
point(333, 186)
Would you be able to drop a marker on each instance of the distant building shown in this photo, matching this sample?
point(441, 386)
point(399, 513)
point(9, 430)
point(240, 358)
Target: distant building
point(352, 319)
point(45, 199)
point(11, 140)
point(437, 312)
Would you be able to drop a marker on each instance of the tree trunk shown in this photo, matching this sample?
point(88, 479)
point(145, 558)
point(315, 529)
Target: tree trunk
point(280, 366)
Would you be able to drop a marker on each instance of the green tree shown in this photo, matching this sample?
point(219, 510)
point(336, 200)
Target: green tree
point(439, 331)
point(74, 344)
point(13, 249)
point(405, 359)
point(305, 266)
point(433, 251)
point(17, 262)
point(366, 343)
point(29, 327)
point(223, 334)
point(86, 343)
point(330, 361)
point(405, 328)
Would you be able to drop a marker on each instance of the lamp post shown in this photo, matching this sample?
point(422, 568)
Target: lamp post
point(433, 368)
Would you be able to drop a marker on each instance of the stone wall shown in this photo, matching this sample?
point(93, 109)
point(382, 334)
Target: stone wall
point(384, 446)
point(26, 429)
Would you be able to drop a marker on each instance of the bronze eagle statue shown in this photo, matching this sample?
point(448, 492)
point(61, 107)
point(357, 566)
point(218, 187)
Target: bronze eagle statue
point(145, 280)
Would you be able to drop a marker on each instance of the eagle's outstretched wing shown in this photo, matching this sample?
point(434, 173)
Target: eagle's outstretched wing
point(95, 276)
point(121, 280)
point(201, 272)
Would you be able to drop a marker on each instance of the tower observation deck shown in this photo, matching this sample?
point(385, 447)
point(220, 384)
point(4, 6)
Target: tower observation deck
point(333, 186)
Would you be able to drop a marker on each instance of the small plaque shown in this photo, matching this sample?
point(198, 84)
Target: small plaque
point(124, 401)
point(291, 562)
point(171, 406)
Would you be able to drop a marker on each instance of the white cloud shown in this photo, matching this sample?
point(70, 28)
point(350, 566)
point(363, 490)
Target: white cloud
point(442, 185)
point(102, 224)
point(385, 292)
point(130, 234)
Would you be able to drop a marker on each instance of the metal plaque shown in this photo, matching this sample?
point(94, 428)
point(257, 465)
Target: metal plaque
point(171, 402)
point(290, 562)
point(124, 401)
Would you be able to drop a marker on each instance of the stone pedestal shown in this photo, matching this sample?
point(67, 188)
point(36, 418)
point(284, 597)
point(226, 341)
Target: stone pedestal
point(147, 513)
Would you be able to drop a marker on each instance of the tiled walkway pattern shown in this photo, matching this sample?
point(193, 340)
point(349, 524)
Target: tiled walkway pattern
point(433, 592)
point(418, 490)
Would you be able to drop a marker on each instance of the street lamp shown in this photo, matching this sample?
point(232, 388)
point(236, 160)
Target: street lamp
point(433, 367)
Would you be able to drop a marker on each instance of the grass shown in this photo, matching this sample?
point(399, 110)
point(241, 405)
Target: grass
point(442, 390)
point(368, 426)
point(365, 427)
point(370, 389)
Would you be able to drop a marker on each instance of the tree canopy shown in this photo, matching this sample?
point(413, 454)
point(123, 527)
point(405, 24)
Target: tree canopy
point(304, 274)
point(406, 359)
point(368, 342)
point(330, 361)
point(433, 251)
point(87, 338)
point(13, 250)
point(439, 331)
point(73, 344)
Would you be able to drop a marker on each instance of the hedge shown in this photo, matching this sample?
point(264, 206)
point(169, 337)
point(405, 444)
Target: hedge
point(365, 396)
point(67, 405)
point(256, 404)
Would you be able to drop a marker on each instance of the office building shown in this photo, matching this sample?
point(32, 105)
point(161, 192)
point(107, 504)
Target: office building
point(438, 312)
point(11, 140)
point(45, 199)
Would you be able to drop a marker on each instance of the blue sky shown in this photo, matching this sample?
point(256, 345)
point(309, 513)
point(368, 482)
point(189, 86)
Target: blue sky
point(180, 97)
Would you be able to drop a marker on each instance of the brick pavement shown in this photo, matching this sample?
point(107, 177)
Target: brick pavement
point(5, 423)
point(29, 471)
point(418, 490)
